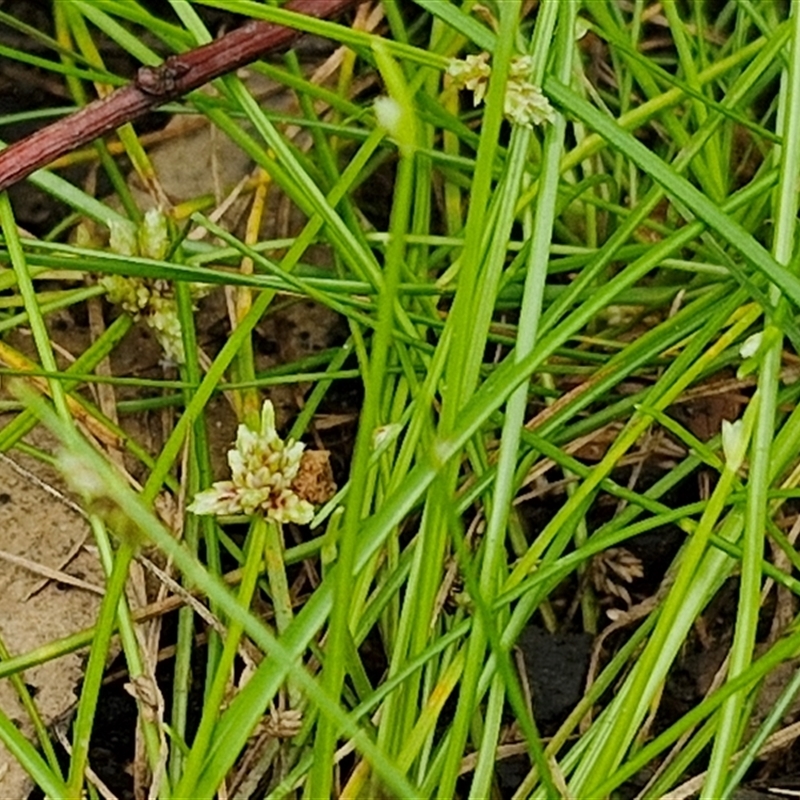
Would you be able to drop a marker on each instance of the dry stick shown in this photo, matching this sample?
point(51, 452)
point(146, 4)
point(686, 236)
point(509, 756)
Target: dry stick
point(154, 86)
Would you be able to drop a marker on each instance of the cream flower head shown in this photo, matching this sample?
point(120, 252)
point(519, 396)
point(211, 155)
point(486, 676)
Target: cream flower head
point(149, 299)
point(524, 104)
point(263, 469)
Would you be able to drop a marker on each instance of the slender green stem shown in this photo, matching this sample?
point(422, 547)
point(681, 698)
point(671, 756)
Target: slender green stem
point(93, 678)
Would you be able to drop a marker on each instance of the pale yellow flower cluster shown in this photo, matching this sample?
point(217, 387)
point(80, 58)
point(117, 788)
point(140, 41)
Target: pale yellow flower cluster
point(524, 102)
point(263, 469)
point(471, 73)
point(151, 300)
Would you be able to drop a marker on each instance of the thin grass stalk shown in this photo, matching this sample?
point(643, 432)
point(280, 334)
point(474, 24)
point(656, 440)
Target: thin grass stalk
point(492, 573)
point(494, 539)
point(322, 383)
point(359, 40)
point(64, 19)
point(319, 782)
point(466, 346)
point(760, 459)
point(192, 22)
point(224, 673)
point(626, 101)
point(39, 726)
point(274, 548)
point(97, 12)
point(754, 746)
point(729, 230)
point(65, 300)
point(54, 66)
point(649, 110)
point(184, 642)
point(783, 650)
point(680, 374)
point(243, 365)
point(25, 421)
point(683, 755)
point(93, 676)
point(28, 292)
point(634, 698)
point(130, 645)
point(506, 680)
point(29, 30)
point(30, 759)
point(197, 478)
point(712, 154)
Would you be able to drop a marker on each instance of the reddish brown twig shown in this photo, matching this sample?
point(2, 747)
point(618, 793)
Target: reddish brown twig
point(154, 86)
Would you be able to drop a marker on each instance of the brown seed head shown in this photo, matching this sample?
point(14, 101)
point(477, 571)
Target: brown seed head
point(314, 481)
